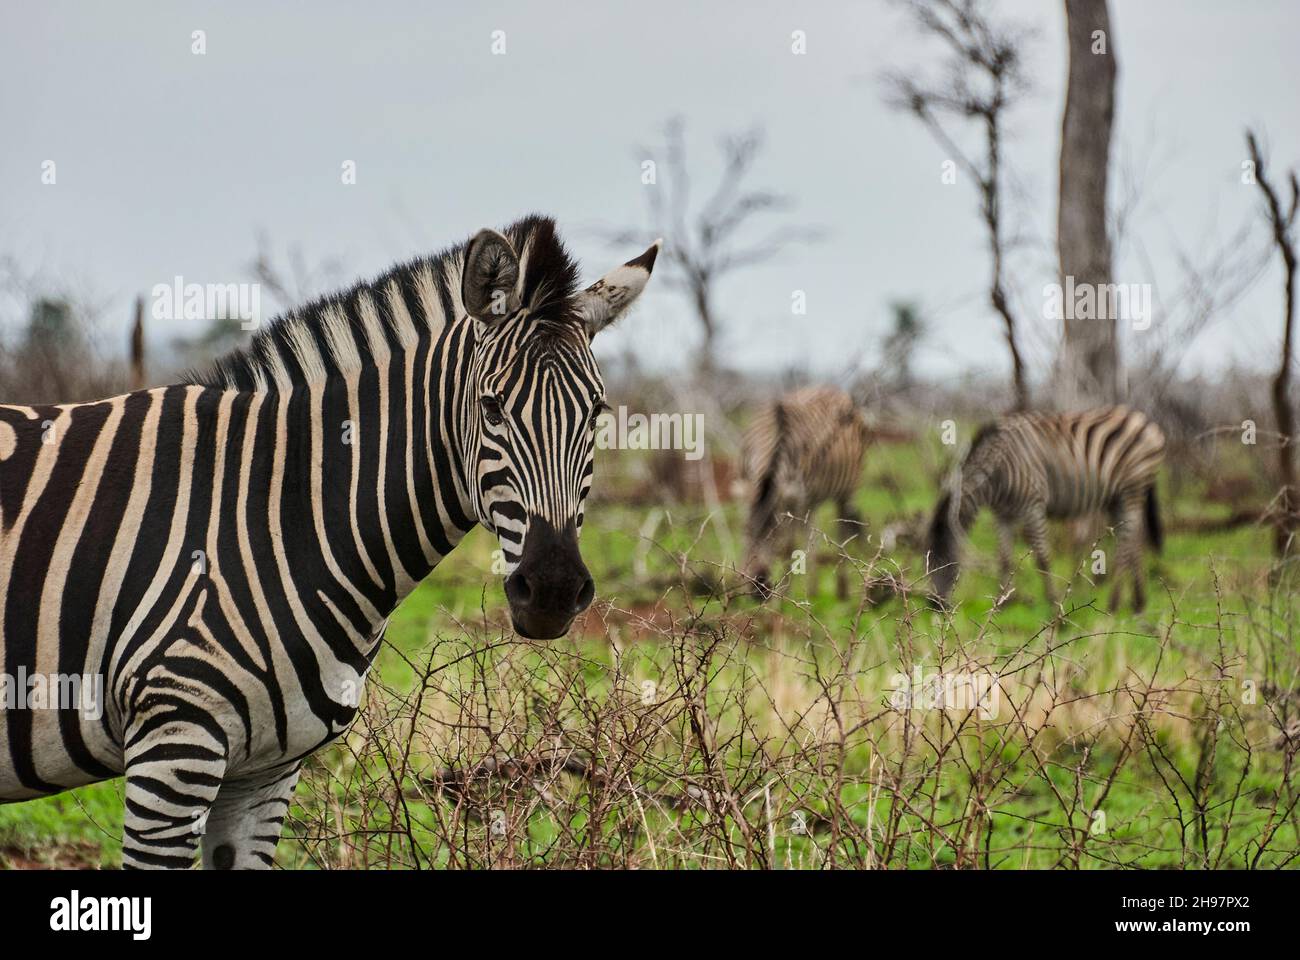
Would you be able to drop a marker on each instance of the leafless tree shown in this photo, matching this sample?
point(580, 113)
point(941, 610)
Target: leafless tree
point(137, 346)
point(982, 80)
point(1282, 221)
point(1210, 282)
point(294, 281)
point(706, 243)
point(1088, 365)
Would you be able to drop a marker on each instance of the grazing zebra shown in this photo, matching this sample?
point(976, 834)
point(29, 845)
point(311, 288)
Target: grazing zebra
point(1029, 467)
point(803, 450)
point(223, 554)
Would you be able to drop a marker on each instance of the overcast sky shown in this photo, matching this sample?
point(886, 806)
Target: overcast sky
point(170, 163)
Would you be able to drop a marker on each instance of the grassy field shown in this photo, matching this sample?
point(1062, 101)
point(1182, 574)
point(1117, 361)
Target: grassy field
point(684, 725)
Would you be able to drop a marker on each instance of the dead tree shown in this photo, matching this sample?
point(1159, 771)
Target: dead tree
point(983, 80)
point(705, 244)
point(1281, 223)
point(291, 280)
point(137, 346)
point(1088, 365)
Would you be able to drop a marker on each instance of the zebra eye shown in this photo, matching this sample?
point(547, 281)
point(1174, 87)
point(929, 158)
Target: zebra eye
point(601, 408)
point(492, 410)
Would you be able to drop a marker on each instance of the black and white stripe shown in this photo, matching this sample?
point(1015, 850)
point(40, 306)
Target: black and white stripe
point(225, 553)
point(1029, 467)
point(800, 452)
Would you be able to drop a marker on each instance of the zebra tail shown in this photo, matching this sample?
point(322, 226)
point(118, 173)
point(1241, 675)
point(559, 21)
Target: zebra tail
point(1155, 532)
point(762, 508)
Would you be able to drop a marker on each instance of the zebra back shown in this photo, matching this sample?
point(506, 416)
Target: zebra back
point(1075, 463)
point(1029, 466)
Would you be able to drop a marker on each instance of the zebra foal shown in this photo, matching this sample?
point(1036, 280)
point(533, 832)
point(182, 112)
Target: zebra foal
point(1029, 467)
point(798, 453)
point(221, 556)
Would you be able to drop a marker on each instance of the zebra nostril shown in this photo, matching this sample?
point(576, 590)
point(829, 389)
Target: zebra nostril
point(518, 590)
point(586, 593)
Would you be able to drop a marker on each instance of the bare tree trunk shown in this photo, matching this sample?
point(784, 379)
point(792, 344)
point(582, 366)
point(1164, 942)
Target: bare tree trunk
point(707, 239)
point(137, 346)
point(1019, 384)
point(704, 313)
point(997, 292)
point(1281, 222)
point(1088, 367)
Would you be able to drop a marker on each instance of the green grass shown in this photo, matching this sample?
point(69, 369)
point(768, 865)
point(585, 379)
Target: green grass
point(78, 828)
point(1206, 783)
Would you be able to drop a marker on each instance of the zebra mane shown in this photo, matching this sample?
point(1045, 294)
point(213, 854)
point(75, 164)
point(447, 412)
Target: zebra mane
point(345, 331)
point(982, 434)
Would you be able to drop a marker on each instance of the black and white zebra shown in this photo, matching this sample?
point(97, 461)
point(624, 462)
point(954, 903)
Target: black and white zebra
point(800, 452)
point(224, 553)
point(1030, 467)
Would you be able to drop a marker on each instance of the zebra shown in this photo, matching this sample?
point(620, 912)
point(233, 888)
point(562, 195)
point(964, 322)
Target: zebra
point(224, 553)
point(803, 450)
point(1028, 467)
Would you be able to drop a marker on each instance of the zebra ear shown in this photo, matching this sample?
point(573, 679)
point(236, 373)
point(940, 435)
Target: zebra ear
point(605, 300)
point(491, 283)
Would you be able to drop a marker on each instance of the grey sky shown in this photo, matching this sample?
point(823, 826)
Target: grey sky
point(170, 163)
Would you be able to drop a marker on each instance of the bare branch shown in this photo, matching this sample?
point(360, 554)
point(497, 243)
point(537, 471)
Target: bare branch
point(983, 79)
point(705, 246)
point(1281, 224)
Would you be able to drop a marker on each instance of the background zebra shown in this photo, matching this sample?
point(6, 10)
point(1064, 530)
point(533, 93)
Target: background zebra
point(798, 453)
point(224, 553)
point(1029, 467)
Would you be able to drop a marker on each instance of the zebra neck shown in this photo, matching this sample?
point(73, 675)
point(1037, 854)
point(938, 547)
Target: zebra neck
point(365, 392)
point(373, 462)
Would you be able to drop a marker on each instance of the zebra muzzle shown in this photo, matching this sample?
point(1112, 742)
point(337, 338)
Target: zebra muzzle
point(551, 585)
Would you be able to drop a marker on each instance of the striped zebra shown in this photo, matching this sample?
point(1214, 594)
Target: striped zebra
point(1029, 467)
point(222, 555)
point(798, 453)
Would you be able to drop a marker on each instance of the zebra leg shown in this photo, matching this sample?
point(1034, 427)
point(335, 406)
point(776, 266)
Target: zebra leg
point(778, 553)
point(1139, 563)
point(1129, 534)
point(172, 779)
point(244, 826)
point(1006, 547)
point(850, 524)
point(797, 541)
point(1036, 534)
point(1116, 572)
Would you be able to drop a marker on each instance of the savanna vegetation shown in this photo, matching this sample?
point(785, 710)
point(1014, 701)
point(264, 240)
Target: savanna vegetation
point(682, 724)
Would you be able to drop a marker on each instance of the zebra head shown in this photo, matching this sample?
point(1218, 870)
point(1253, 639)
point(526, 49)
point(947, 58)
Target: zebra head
point(532, 397)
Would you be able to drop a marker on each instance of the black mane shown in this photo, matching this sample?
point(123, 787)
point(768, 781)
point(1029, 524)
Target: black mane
point(550, 282)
